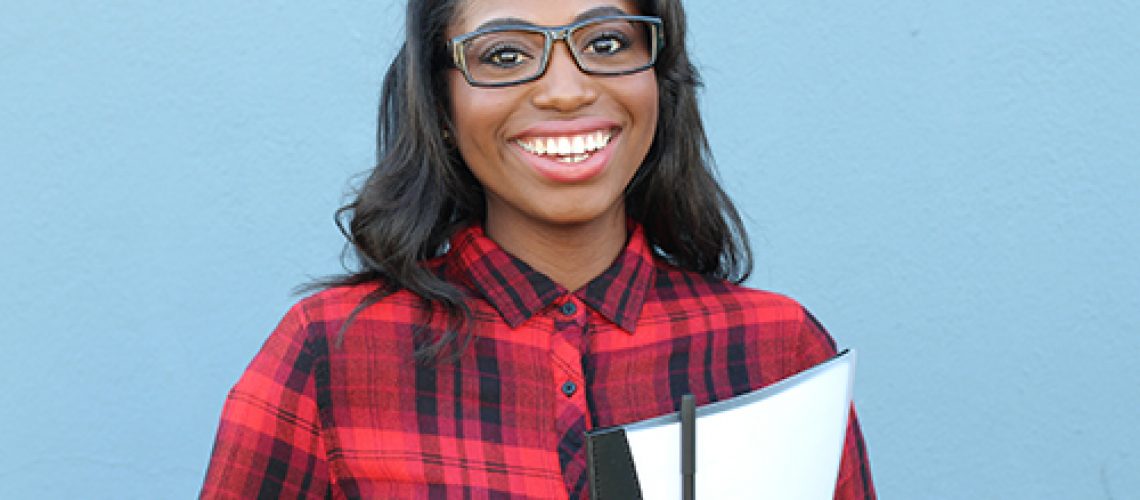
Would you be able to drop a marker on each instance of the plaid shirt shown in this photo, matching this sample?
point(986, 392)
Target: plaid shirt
point(310, 419)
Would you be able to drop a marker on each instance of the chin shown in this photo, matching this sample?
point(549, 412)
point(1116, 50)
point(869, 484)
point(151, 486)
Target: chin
point(578, 215)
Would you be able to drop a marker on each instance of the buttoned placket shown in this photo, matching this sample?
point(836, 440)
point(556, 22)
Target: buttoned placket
point(572, 416)
point(570, 324)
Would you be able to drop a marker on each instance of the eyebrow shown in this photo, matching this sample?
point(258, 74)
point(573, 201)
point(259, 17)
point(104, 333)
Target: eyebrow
point(605, 10)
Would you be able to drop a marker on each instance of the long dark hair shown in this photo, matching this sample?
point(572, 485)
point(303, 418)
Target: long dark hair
point(421, 192)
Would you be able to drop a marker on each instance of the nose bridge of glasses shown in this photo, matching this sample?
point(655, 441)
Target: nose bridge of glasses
point(564, 35)
point(557, 34)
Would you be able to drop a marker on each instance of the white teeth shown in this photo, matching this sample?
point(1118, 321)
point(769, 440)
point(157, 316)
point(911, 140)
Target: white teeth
point(573, 159)
point(578, 145)
point(570, 149)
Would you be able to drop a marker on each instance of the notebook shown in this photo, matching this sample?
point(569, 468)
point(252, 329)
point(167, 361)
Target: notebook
point(783, 441)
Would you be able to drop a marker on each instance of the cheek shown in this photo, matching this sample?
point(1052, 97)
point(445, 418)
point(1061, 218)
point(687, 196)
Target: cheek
point(477, 115)
point(651, 98)
point(461, 111)
point(640, 98)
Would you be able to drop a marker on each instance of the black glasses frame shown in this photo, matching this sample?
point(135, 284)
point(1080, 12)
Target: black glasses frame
point(553, 34)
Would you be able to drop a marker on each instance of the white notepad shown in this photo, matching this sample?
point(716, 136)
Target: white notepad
point(782, 442)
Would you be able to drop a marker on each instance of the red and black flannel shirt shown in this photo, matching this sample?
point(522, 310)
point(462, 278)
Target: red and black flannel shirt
point(310, 419)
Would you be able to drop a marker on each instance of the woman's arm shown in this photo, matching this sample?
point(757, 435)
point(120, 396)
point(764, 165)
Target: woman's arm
point(854, 470)
point(269, 441)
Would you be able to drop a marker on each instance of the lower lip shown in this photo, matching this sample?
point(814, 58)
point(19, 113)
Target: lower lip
point(567, 172)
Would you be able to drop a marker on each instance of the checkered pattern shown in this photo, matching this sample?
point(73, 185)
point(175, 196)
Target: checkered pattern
point(311, 419)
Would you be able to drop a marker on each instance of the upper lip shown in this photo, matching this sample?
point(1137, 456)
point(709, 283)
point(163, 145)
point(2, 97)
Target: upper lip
point(559, 128)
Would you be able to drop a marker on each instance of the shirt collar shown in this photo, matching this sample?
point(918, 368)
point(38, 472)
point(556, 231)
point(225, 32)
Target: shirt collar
point(518, 291)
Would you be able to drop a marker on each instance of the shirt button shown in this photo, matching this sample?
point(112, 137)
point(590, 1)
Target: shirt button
point(569, 308)
point(569, 388)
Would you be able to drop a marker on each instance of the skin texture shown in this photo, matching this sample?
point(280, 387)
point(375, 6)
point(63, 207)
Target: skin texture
point(569, 230)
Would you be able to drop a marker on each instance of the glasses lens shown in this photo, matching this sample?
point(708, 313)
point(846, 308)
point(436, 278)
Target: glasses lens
point(504, 56)
point(614, 45)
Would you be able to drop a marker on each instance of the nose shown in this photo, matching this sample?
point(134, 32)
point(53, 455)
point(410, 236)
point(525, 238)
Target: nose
point(564, 87)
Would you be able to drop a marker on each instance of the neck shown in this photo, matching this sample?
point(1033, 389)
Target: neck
point(569, 254)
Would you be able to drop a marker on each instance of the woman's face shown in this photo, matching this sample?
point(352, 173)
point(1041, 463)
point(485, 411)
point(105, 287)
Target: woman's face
point(505, 134)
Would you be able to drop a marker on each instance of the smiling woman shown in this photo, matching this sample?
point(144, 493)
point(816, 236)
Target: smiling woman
point(572, 198)
point(543, 249)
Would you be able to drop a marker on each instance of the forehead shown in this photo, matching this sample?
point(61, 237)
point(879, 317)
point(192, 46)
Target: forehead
point(473, 13)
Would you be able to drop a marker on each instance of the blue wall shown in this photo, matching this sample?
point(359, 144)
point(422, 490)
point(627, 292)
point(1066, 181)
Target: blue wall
point(952, 187)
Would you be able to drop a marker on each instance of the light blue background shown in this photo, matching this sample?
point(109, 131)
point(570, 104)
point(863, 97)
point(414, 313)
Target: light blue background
point(952, 187)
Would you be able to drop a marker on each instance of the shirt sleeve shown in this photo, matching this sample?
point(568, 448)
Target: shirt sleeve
point(269, 440)
point(854, 481)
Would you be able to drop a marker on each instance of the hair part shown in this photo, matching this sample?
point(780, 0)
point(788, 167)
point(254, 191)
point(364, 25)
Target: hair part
point(420, 191)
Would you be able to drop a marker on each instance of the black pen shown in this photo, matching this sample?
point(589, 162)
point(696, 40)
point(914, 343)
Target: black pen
point(688, 446)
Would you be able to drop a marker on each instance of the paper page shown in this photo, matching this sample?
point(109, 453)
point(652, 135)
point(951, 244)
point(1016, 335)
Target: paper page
point(781, 442)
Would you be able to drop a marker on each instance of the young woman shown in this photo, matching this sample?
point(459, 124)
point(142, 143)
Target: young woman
point(543, 250)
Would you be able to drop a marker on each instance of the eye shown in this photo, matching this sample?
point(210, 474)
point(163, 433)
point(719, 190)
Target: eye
point(504, 56)
point(607, 43)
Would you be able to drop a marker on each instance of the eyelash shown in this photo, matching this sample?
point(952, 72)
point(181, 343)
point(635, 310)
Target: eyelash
point(620, 38)
point(488, 55)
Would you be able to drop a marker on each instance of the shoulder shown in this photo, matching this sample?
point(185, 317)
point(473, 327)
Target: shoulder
point(333, 303)
point(675, 287)
point(337, 303)
point(778, 325)
point(327, 311)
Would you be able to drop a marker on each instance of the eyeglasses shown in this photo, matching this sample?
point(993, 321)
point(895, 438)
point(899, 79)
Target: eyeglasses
point(507, 55)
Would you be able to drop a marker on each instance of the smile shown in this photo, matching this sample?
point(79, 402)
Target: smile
point(567, 149)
